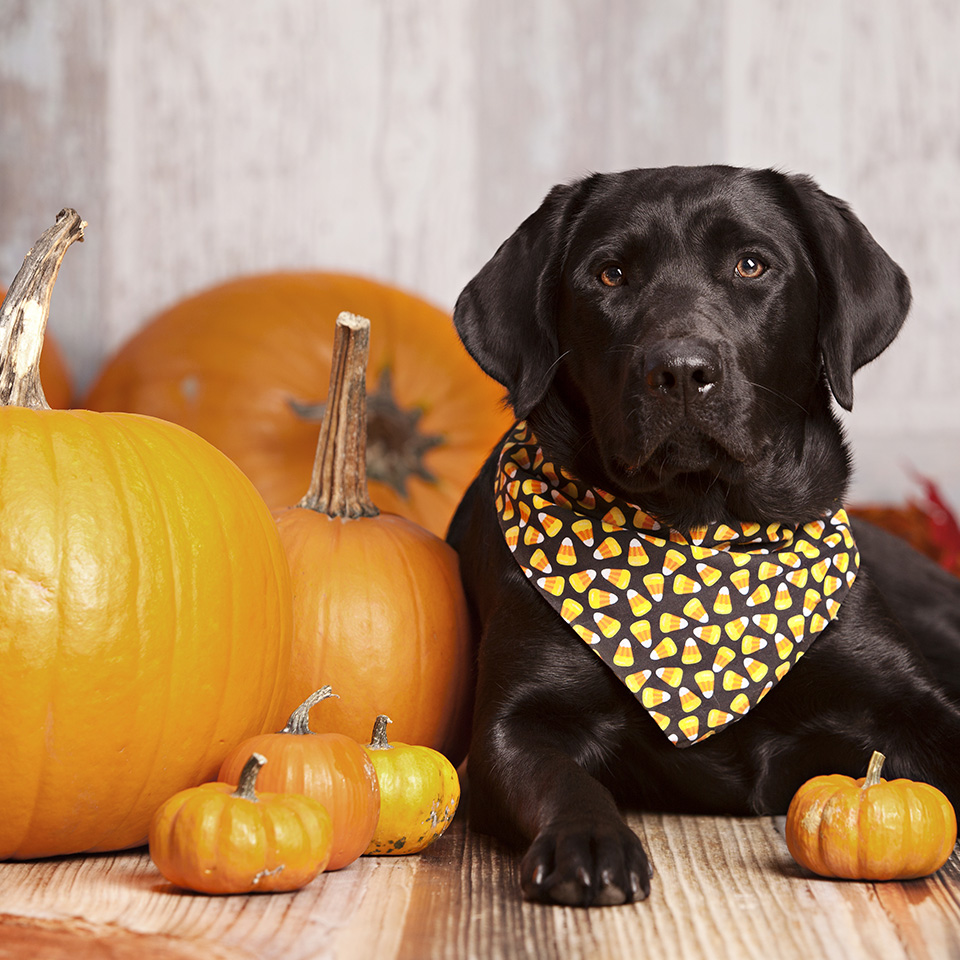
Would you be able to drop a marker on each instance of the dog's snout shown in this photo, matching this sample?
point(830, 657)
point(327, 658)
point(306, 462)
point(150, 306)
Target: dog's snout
point(684, 370)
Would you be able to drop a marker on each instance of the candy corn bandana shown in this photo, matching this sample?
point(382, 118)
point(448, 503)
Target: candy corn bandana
point(699, 625)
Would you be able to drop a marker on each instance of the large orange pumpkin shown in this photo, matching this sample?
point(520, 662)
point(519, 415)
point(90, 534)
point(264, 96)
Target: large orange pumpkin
point(379, 609)
point(54, 372)
point(246, 366)
point(145, 604)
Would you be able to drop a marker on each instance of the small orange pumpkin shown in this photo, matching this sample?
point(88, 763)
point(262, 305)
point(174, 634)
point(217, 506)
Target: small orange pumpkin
point(212, 840)
point(870, 829)
point(245, 364)
point(419, 794)
point(379, 609)
point(328, 767)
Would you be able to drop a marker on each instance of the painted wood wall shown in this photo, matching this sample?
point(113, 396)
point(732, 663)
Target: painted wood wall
point(404, 139)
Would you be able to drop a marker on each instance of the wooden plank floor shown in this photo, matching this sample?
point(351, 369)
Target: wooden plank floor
point(724, 889)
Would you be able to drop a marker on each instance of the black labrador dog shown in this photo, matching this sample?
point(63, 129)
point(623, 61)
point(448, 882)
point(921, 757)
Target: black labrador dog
point(671, 341)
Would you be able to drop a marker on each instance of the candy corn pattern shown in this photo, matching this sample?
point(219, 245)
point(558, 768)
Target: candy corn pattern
point(699, 624)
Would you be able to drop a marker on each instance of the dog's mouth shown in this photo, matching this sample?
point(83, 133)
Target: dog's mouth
point(686, 451)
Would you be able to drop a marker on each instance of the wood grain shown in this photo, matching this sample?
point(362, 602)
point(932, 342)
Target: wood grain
point(724, 889)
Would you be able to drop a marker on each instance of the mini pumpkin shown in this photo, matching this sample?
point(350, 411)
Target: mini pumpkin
point(870, 828)
point(379, 608)
point(419, 794)
point(215, 839)
point(328, 767)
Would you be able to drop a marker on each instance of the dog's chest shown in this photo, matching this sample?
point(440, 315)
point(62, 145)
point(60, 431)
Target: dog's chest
point(699, 625)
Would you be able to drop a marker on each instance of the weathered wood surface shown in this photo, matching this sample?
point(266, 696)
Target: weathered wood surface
point(406, 139)
point(725, 889)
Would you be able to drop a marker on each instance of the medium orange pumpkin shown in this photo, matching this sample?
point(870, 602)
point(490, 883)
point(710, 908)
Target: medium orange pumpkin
point(379, 609)
point(54, 373)
point(217, 840)
point(145, 606)
point(246, 364)
point(870, 829)
point(328, 767)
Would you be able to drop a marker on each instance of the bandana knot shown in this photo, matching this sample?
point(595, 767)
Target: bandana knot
point(700, 624)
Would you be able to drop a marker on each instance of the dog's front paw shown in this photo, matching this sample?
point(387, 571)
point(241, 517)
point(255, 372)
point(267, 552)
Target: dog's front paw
point(586, 864)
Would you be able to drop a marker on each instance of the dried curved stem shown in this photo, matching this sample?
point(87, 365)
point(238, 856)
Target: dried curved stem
point(873, 769)
point(338, 486)
point(378, 739)
point(299, 722)
point(24, 313)
point(246, 785)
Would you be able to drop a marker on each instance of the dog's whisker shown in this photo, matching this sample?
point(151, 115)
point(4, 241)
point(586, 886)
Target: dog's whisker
point(554, 364)
point(777, 393)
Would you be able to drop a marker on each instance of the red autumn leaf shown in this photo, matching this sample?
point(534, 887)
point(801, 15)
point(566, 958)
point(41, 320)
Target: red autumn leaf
point(925, 522)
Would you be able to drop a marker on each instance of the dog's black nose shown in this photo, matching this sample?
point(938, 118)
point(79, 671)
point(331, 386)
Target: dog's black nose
point(683, 370)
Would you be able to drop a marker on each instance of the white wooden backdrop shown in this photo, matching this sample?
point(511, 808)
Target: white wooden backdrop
point(404, 139)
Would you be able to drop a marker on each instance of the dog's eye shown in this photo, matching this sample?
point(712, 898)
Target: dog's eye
point(749, 268)
point(613, 276)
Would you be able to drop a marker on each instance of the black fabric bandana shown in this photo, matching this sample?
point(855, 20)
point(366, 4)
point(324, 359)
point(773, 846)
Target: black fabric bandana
point(699, 625)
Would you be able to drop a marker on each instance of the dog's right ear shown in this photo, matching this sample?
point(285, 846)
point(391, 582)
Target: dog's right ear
point(506, 315)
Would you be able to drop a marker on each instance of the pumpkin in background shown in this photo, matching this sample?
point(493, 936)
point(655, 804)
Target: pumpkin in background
point(870, 828)
point(419, 794)
point(379, 609)
point(215, 839)
point(54, 372)
point(145, 605)
point(331, 768)
point(246, 365)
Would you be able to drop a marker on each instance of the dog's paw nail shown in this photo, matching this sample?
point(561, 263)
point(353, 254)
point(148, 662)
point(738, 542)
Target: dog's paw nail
point(639, 887)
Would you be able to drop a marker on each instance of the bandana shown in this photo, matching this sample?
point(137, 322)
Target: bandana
point(699, 625)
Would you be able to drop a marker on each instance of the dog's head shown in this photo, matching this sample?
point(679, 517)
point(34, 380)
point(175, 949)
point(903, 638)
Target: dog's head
point(675, 334)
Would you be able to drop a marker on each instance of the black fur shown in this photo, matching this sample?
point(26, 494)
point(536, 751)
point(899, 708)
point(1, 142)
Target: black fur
point(702, 395)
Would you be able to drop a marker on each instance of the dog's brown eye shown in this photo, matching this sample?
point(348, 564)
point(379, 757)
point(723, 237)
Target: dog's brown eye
point(613, 276)
point(749, 268)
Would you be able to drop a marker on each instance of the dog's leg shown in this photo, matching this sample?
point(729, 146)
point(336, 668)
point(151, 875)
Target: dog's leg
point(541, 744)
point(863, 686)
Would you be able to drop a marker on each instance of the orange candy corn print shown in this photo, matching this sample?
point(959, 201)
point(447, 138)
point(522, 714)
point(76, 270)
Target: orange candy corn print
point(699, 625)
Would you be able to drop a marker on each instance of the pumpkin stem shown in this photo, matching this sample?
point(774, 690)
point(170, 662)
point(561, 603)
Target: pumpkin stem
point(378, 739)
point(299, 722)
point(24, 313)
point(248, 778)
point(873, 770)
point(338, 486)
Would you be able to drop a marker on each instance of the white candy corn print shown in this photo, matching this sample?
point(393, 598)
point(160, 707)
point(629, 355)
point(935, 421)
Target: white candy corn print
point(700, 624)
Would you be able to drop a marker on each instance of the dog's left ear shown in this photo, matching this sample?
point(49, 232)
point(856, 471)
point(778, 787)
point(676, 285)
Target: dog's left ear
point(506, 315)
point(864, 296)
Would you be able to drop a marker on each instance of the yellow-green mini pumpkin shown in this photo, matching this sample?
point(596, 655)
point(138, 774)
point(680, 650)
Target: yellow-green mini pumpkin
point(419, 793)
